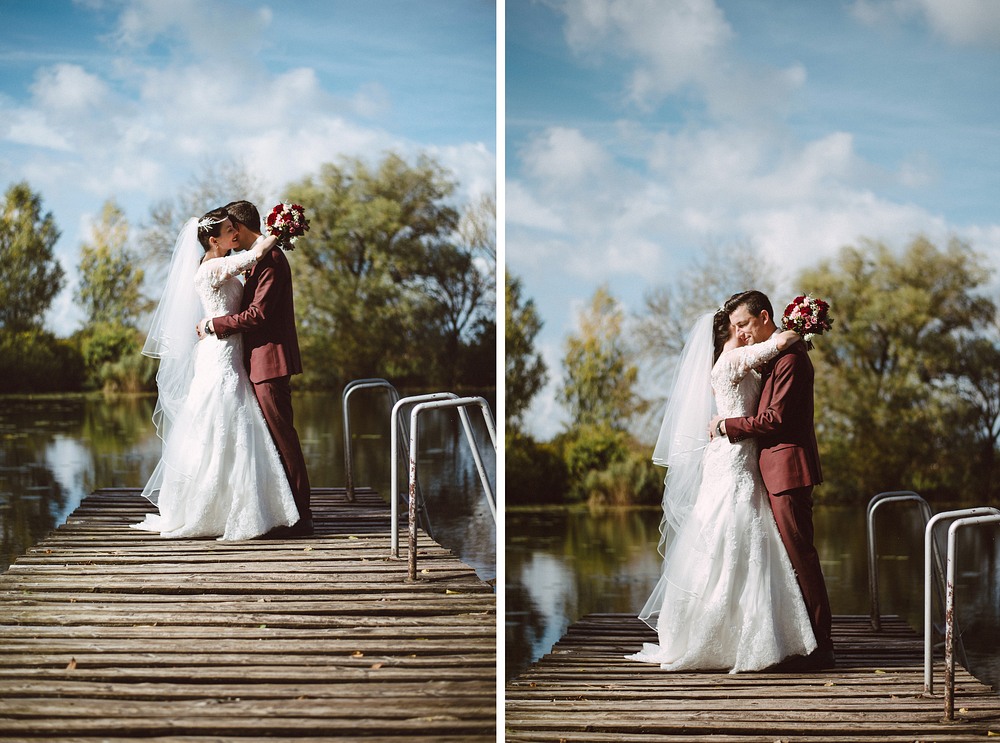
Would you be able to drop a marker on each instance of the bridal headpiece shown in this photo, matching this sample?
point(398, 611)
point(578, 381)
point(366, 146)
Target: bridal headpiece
point(207, 222)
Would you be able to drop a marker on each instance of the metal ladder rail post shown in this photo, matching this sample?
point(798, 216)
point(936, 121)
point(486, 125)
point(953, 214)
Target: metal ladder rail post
point(414, 416)
point(474, 447)
point(873, 505)
point(350, 389)
point(930, 547)
point(949, 637)
point(397, 426)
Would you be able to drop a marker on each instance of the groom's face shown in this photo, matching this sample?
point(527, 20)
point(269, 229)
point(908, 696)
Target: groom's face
point(751, 328)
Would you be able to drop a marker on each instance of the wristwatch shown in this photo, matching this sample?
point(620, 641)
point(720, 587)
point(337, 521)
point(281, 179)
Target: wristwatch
point(718, 427)
point(209, 330)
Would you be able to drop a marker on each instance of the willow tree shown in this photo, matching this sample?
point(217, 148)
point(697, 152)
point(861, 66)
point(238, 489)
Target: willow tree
point(894, 406)
point(380, 282)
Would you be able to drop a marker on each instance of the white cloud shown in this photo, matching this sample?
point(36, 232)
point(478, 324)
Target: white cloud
point(31, 128)
point(69, 89)
point(960, 22)
point(216, 29)
point(672, 46)
point(674, 42)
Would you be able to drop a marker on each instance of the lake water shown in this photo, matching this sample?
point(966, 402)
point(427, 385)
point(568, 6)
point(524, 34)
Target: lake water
point(562, 564)
point(56, 450)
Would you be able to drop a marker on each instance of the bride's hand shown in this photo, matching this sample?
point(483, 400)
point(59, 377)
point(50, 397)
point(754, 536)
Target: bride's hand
point(263, 246)
point(786, 338)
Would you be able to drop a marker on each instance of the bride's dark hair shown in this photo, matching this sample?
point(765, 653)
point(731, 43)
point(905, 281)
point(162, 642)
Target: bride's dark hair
point(211, 226)
point(720, 331)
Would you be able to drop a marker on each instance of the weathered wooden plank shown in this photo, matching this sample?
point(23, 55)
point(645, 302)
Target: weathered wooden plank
point(109, 633)
point(586, 690)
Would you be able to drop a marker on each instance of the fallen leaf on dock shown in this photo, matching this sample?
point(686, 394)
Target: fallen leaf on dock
point(376, 666)
point(879, 671)
point(829, 683)
point(71, 666)
point(357, 654)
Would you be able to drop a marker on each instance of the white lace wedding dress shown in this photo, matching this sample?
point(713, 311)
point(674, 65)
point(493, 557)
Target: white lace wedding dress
point(730, 597)
point(220, 474)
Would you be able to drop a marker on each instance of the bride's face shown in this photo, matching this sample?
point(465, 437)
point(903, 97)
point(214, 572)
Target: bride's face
point(227, 239)
point(736, 339)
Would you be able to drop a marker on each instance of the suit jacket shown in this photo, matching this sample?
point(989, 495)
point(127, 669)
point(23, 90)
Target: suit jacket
point(267, 320)
point(783, 425)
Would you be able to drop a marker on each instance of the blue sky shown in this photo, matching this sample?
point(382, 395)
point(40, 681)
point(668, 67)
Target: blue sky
point(130, 99)
point(640, 132)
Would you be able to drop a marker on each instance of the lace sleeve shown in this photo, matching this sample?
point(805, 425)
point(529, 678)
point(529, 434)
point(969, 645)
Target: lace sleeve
point(741, 360)
point(218, 270)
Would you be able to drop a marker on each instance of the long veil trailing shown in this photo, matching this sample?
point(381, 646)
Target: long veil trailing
point(681, 444)
point(172, 339)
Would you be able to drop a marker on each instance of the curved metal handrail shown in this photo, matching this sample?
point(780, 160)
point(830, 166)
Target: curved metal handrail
point(349, 389)
point(397, 427)
point(892, 496)
point(461, 403)
point(931, 547)
point(949, 639)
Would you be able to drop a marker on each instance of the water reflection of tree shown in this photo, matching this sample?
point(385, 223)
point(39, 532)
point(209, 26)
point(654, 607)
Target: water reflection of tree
point(609, 558)
point(121, 439)
point(30, 495)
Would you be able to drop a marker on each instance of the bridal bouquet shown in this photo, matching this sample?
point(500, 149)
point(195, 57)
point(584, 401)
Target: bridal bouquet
point(288, 222)
point(807, 316)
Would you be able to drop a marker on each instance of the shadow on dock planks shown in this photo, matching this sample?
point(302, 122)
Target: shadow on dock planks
point(109, 633)
point(585, 690)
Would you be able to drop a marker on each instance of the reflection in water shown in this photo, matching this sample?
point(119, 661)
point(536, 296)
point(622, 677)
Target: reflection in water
point(55, 450)
point(562, 564)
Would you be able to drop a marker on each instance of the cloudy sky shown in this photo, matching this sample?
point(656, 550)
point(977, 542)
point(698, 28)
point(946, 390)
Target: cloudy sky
point(638, 132)
point(129, 99)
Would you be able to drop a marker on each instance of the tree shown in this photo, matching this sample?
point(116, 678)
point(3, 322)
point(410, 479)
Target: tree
point(220, 183)
point(891, 375)
point(478, 228)
point(110, 278)
point(524, 370)
point(30, 276)
point(718, 273)
point(378, 242)
point(600, 374)
point(460, 292)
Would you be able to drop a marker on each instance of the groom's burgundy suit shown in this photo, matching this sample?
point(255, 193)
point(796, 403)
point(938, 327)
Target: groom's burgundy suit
point(789, 466)
point(271, 354)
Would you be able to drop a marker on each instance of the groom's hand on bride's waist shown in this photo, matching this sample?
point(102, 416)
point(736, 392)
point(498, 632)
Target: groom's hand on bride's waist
point(717, 427)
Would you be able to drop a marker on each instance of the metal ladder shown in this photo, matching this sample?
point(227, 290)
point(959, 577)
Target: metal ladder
point(945, 584)
point(377, 383)
point(403, 445)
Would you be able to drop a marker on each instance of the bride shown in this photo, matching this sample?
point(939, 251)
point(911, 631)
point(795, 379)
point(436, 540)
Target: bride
point(727, 598)
point(219, 473)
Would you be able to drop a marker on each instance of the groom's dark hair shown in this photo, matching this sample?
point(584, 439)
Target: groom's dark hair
point(755, 301)
point(245, 213)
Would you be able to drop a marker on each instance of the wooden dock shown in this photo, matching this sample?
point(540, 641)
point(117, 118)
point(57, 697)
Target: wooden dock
point(110, 633)
point(585, 690)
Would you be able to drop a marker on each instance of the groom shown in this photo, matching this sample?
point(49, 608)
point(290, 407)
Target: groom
point(789, 458)
point(271, 353)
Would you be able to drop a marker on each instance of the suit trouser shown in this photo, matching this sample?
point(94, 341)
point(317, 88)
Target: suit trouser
point(793, 514)
point(275, 398)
